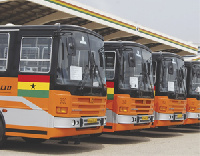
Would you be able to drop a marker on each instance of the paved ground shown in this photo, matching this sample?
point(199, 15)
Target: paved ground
point(182, 141)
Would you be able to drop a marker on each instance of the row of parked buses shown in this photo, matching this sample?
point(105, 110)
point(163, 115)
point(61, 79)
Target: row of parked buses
point(63, 81)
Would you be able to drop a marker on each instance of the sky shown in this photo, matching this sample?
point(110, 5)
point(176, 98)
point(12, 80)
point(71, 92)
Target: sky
point(177, 18)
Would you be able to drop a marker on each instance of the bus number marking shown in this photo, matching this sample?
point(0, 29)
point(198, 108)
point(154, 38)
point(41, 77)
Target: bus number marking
point(123, 101)
point(63, 100)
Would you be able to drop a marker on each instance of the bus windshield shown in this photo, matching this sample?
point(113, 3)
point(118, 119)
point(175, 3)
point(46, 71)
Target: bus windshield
point(136, 69)
point(81, 60)
point(195, 80)
point(173, 75)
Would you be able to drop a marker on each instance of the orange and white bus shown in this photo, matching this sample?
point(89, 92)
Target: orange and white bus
point(193, 92)
point(170, 89)
point(52, 82)
point(130, 96)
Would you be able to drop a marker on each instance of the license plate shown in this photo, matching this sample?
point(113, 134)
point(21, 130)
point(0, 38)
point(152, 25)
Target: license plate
point(144, 117)
point(179, 115)
point(92, 120)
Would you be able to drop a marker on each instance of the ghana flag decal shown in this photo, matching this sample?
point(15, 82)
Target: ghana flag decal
point(110, 90)
point(33, 86)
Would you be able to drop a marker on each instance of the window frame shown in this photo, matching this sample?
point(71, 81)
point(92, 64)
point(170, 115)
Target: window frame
point(40, 60)
point(2, 59)
point(114, 65)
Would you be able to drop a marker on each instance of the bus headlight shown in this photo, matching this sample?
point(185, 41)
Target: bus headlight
point(192, 108)
point(61, 110)
point(123, 109)
point(163, 108)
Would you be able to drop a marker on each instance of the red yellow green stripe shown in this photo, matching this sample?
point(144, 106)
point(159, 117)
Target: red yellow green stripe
point(37, 85)
point(111, 20)
point(166, 39)
point(34, 93)
point(91, 13)
point(33, 78)
point(34, 86)
point(197, 59)
point(110, 90)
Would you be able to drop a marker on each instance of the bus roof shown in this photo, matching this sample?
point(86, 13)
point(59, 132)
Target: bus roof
point(49, 27)
point(191, 63)
point(124, 43)
point(157, 55)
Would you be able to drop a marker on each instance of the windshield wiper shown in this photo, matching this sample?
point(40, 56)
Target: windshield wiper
point(144, 74)
point(95, 68)
point(90, 72)
point(148, 75)
point(182, 80)
point(163, 74)
point(85, 77)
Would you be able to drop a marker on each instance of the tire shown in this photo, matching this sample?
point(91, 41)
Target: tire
point(2, 133)
point(33, 140)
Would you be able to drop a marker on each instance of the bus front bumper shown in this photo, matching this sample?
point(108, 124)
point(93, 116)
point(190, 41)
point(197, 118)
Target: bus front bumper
point(139, 119)
point(82, 122)
point(191, 115)
point(171, 117)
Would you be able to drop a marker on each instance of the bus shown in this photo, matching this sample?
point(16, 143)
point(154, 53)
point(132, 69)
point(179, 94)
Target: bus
point(52, 82)
point(193, 92)
point(130, 96)
point(169, 75)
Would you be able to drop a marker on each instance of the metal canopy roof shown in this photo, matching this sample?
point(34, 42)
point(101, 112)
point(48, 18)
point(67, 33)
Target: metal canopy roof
point(38, 12)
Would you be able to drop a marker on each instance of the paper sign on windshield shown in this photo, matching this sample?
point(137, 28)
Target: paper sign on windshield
point(197, 89)
point(171, 86)
point(75, 73)
point(96, 84)
point(134, 82)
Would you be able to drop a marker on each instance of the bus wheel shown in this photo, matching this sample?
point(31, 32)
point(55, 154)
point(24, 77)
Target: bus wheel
point(33, 140)
point(2, 133)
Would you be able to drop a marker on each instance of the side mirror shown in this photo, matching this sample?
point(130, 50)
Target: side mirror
point(170, 68)
point(70, 45)
point(131, 60)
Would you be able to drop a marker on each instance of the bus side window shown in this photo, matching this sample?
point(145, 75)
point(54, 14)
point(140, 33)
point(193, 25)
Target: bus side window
point(35, 54)
point(4, 44)
point(110, 59)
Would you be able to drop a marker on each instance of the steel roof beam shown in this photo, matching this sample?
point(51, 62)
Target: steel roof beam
point(52, 17)
point(162, 47)
point(116, 35)
point(128, 38)
point(151, 45)
point(9, 7)
point(106, 31)
point(94, 25)
point(70, 21)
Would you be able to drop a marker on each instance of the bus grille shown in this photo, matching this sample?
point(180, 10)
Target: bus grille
point(178, 105)
point(142, 106)
point(88, 106)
